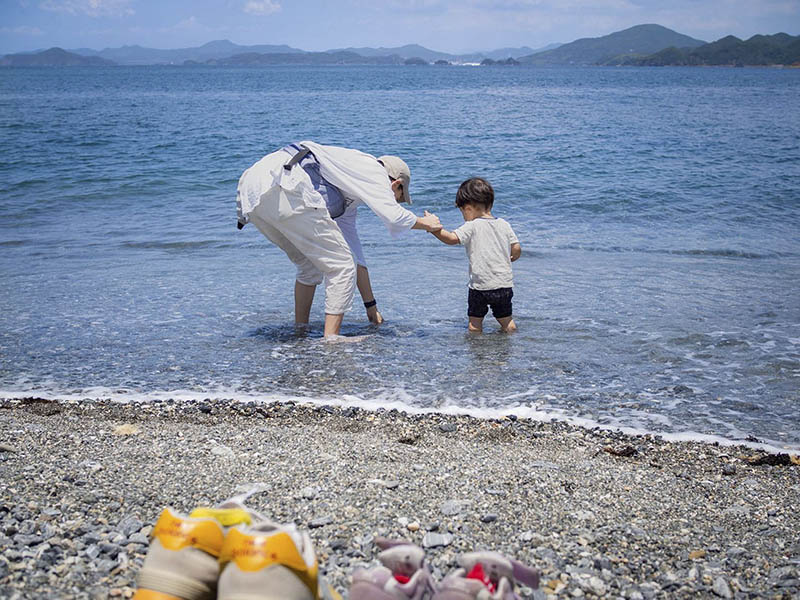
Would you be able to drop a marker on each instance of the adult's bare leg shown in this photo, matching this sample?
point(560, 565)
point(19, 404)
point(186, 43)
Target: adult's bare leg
point(333, 324)
point(303, 298)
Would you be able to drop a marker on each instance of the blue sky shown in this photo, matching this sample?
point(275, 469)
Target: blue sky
point(445, 25)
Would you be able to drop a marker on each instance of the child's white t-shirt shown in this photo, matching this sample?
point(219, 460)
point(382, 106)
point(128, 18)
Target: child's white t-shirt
point(488, 245)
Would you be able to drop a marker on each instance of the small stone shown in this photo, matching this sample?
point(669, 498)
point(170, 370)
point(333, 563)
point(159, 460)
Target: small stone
point(391, 485)
point(28, 540)
point(452, 507)
point(543, 464)
point(7, 448)
point(597, 586)
point(585, 515)
point(721, 588)
point(320, 522)
point(447, 427)
point(489, 518)
point(138, 538)
point(365, 541)
point(413, 526)
point(602, 564)
point(92, 465)
point(435, 540)
point(729, 470)
point(222, 451)
point(309, 493)
point(129, 525)
point(696, 554)
point(127, 429)
point(409, 439)
point(111, 550)
point(105, 565)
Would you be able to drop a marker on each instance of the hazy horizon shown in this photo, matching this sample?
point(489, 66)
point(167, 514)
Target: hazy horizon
point(451, 26)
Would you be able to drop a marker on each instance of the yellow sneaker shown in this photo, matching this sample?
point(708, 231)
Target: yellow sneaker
point(268, 561)
point(182, 561)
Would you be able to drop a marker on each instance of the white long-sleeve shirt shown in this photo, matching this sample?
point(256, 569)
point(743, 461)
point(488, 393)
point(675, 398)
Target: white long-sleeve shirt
point(361, 178)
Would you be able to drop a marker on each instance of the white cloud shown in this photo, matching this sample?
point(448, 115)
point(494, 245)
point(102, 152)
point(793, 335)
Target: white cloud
point(22, 30)
point(262, 8)
point(93, 8)
point(186, 25)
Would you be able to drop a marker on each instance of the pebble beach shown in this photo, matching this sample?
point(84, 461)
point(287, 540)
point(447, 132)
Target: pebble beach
point(599, 513)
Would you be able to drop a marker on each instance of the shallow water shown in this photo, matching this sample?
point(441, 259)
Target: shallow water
point(658, 210)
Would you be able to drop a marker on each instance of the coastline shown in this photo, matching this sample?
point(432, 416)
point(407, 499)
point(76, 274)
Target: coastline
point(601, 514)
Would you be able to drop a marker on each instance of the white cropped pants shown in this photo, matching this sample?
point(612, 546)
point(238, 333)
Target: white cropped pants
point(315, 244)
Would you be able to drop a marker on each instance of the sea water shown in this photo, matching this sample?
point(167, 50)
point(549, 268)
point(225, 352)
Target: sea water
point(658, 212)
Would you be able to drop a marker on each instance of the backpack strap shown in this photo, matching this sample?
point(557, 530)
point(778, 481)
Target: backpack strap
point(300, 155)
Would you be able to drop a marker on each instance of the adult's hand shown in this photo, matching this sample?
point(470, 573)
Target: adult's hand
point(428, 222)
point(374, 315)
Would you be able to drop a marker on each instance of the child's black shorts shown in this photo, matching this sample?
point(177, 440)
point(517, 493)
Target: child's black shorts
point(479, 302)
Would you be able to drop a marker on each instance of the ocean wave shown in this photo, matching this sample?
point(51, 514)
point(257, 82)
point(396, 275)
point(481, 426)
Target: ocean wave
point(698, 252)
point(186, 245)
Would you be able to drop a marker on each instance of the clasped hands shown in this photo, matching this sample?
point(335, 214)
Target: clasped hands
point(431, 222)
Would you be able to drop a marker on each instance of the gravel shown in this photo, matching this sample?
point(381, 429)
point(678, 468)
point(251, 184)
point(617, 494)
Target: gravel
point(83, 482)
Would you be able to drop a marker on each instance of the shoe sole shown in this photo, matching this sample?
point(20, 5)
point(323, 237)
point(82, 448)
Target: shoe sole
point(142, 594)
point(368, 591)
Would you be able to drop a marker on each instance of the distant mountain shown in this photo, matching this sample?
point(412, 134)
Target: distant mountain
point(759, 50)
point(305, 58)
point(503, 53)
point(639, 40)
point(54, 57)
point(431, 56)
point(137, 55)
point(217, 52)
point(407, 51)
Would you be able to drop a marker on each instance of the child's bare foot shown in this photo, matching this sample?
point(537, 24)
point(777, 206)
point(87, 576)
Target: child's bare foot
point(507, 324)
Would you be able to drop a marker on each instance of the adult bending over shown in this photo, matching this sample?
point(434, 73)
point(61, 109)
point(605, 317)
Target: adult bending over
point(304, 198)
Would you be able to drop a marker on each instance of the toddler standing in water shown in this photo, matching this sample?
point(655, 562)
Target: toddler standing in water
point(491, 248)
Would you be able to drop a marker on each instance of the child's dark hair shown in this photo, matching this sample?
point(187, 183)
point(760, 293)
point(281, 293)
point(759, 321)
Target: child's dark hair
point(475, 190)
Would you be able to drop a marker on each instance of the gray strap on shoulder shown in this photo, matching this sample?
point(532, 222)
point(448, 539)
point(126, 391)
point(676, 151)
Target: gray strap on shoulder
point(296, 158)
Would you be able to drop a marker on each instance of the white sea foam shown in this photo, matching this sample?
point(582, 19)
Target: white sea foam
point(634, 422)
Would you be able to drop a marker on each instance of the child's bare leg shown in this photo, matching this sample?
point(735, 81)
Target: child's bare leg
point(476, 324)
point(507, 324)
